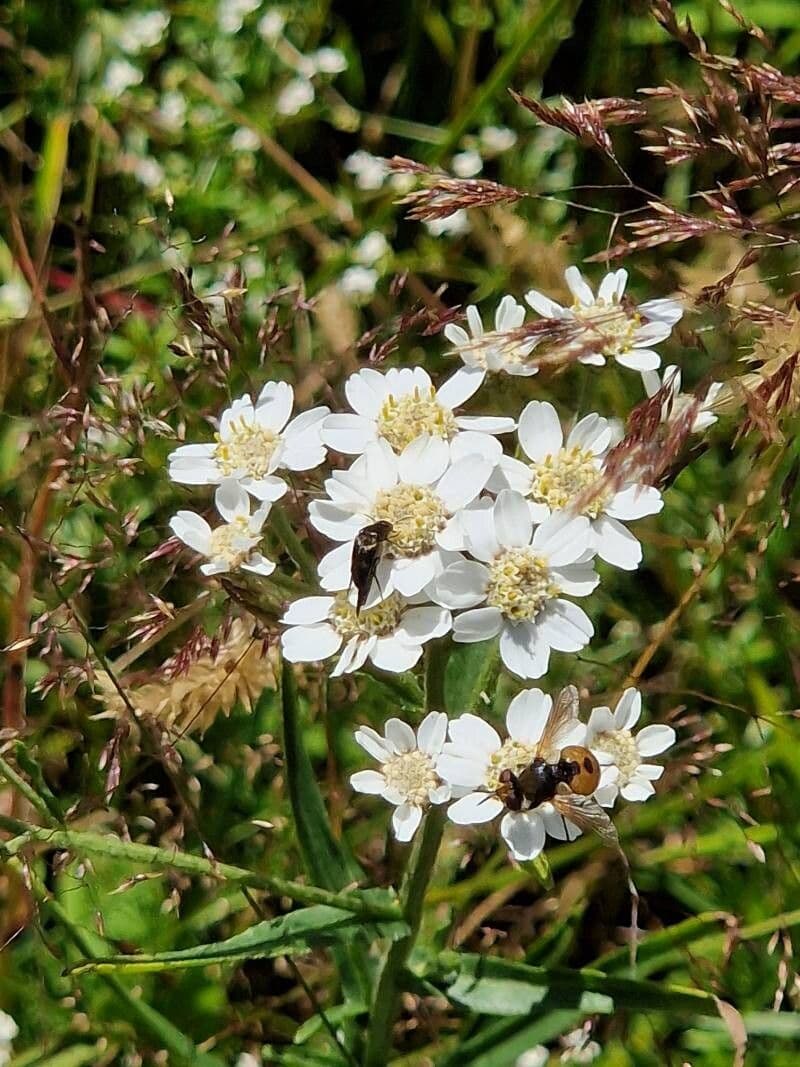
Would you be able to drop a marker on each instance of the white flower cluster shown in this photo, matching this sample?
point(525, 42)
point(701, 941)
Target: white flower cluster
point(454, 535)
point(468, 760)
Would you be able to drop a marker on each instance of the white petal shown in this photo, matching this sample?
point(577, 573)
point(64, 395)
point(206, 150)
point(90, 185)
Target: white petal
point(592, 433)
point(231, 500)
point(650, 333)
point(512, 520)
point(365, 392)
point(634, 502)
point(405, 820)
point(543, 305)
point(563, 538)
point(258, 564)
point(456, 335)
point(372, 782)
point(576, 579)
point(193, 530)
point(486, 423)
point(539, 430)
point(432, 733)
point(578, 287)
point(479, 624)
point(268, 489)
point(424, 461)
point(613, 286)
point(459, 772)
point(527, 715)
point(565, 626)
point(655, 739)
point(651, 382)
point(348, 433)
point(334, 522)
point(422, 624)
point(667, 311)
point(522, 652)
point(308, 610)
point(474, 736)
point(274, 405)
point(461, 585)
point(372, 742)
point(307, 644)
point(523, 832)
point(637, 789)
point(459, 387)
point(471, 443)
point(601, 721)
point(628, 709)
point(389, 654)
point(606, 795)
point(649, 771)
point(615, 544)
point(410, 576)
point(477, 522)
point(463, 482)
point(557, 826)
point(400, 735)
point(640, 359)
point(307, 426)
point(474, 808)
point(215, 567)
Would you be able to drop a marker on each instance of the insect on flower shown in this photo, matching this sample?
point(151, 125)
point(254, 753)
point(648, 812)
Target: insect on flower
point(367, 548)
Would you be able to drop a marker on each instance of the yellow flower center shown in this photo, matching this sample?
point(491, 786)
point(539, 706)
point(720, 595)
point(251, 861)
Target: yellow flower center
point(378, 621)
point(404, 418)
point(246, 449)
point(519, 584)
point(612, 322)
point(233, 542)
point(561, 479)
point(512, 756)
point(621, 746)
point(416, 514)
point(412, 775)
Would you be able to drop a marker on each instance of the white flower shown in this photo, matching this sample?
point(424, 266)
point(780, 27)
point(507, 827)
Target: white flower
point(271, 25)
point(407, 777)
point(294, 96)
point(359, 281)
point(677, 403)
point(620, 754)
point(142, 30)
point(369, 171)
point(231, 13)
point(121, 75)
point(8, 1025)
point(496, 139)
point(467, 164)
point(560, 477)
point(628, 332)
point(15, 299)
point(455, 225)
point(420, 493)
point(475, 757)
point(328, 61)
point(490, 352)
point(245, 140)
point(233, 544)
point(371, 248)
point(255, 440)
point(402, 404)
point(578, 1048)
point(172, 110)
point(149, 172)
point(516, 588)
point(390, 633)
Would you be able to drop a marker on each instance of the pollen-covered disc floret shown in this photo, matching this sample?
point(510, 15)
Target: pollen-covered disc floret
point(613, 322)
point(512, 756)
point(495, 351)
point(520, 584)
point(416, 514)
point(377, 621)
point(401, 419)
point(233, 542)
point(407, 777)
point(247, 449)
point(621, 754)
point(570, 476)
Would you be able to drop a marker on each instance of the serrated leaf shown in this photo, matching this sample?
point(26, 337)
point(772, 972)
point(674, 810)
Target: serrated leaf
point(289, 934)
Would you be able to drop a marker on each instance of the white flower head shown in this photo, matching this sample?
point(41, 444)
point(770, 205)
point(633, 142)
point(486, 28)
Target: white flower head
point(420, 493)
point(142, 30)
point(328, 61)
point(271, 25)
point(245, 139)
point(467, 164)
point(407, 777)
point(497, 139)
point(372, 247)
point(232, 13)
point(492, 352)
point(402, 404)
point(359, 281)
point(578, 1047)
point(455, 225)
point(568, 476)
point(627, 332)
point(254, 441)
point(676, 403)
point(294, 96)
point(621, 755)
point(233, 544)
point(475, 757)
point(369, 171)
point(390, 634)
point(515, 585)
point(121, 75)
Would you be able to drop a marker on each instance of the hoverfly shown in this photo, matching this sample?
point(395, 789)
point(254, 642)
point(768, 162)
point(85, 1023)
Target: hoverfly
point(367, 548)
point(566, 782)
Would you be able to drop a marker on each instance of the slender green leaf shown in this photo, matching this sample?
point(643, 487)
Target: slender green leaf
point(469, 672)
point(287, 935)
point(335, 1015)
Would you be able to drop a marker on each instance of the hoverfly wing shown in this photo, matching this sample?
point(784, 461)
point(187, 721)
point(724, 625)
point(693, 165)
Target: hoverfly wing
point(563, 715)
point(587, 815)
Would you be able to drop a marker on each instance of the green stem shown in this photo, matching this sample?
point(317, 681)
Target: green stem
point(287, 534)
point(412, 890)
point(149, 855)
point(26, 790)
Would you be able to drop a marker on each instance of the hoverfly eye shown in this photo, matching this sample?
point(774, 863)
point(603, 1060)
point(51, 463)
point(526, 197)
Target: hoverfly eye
point(587, 778)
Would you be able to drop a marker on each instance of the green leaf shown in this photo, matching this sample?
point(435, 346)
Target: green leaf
point(468, 673)
point(289, 934)
point(334, 1015)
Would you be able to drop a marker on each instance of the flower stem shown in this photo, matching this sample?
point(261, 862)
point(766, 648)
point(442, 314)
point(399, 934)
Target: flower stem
point(412, 889)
